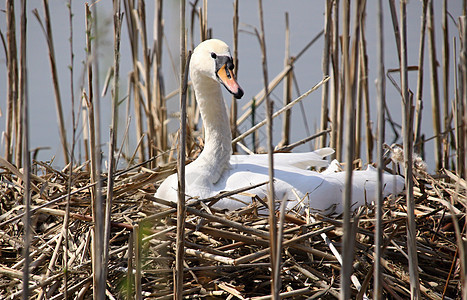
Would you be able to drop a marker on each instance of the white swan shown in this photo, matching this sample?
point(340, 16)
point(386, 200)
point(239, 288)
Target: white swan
point(216, 170)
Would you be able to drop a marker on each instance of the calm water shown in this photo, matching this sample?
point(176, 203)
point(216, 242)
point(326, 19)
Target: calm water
point(306, 20)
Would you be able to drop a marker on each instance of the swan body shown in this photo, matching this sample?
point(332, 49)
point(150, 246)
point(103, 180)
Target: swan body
point(217, 170)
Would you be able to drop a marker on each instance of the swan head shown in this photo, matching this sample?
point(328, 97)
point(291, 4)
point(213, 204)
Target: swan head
point(211, 59)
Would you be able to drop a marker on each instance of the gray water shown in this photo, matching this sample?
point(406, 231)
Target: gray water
point(306, 21)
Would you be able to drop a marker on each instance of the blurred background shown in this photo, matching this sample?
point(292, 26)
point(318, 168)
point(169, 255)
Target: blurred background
point(306, 21)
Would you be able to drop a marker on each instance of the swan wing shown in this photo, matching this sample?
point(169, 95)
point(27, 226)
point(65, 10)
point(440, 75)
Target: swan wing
point(303, 160)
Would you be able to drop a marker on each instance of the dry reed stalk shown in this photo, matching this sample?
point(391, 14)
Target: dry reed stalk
point(89, 137)
point(419, 93)
point(135, 74)
point(260, 96)
point(138, 256)
point(54, 257)
point(58, 101)
point(232, 242)
point(181, 209)
point(23, 99)
point(289, 106)
point(151, 112)
point(93, 115)
point(233, 103)
point(446, 101)
point(325, 69)
point(85, 126)
point(335, 80)
point(348, 240)
point(273, 238)
point(303, 141)
point(287, 92)
point(88, 100)
point(204, 21)
point(395, 26)
point(12, 81)
point(95, 84)
point(70, 179)
point(19, 108)
point(194, 13)
point(381, 93)
point(94, 140)
point(359, 89)
point(458, 109)
point(117, 25)
point(158, 86)
point(130, 279)
point(435, 105)
point(363, 81)
point(463, 64)
point(408, 150)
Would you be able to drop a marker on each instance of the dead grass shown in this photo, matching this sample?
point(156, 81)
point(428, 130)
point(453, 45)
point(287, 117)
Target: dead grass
point(227, 253)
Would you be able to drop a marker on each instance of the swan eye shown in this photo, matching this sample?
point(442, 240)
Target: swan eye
point(213, 55)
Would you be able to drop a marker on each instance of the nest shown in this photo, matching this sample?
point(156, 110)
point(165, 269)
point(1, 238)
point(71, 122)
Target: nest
point(226, 253)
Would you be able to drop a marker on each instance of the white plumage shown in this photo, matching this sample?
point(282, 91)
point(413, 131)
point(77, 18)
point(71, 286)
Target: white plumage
point(216, 170)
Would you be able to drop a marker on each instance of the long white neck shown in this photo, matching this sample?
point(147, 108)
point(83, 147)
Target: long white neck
point(217, 148)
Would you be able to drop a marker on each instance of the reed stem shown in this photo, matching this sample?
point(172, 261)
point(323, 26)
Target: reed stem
point(381, 94)
point(273, 238)
point(233, 105)
point(12, 82)
point(325, 68)
point(23, 99)
point(287, 93)
point(350, 63)
point(408, 150)
point(446, 101)
point(135, 74)
point(158, 83)
point(335, 80)
point(56, 86)
point(117, 22)
point(435, 105)
point(181, 209)
point(419, 93)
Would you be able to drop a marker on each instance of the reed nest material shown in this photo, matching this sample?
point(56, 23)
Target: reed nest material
point(226, 253)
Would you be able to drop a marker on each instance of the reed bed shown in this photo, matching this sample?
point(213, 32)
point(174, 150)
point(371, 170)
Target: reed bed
point(226, 253)
point(91, 229)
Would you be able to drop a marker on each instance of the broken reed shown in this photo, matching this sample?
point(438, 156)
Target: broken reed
point(347, 66)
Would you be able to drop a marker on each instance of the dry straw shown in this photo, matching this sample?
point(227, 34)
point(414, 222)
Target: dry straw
point(102, 234)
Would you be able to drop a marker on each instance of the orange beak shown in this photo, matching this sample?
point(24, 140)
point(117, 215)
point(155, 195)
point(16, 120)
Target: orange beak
point(227, 78)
